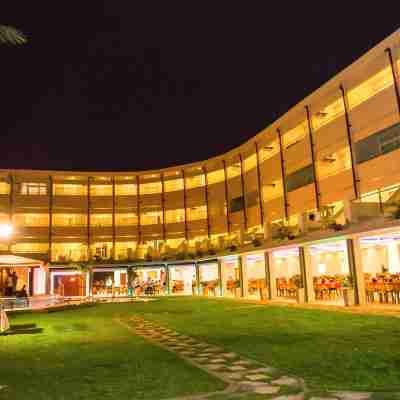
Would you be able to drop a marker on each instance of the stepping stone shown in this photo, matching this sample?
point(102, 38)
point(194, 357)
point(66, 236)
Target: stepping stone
point(266, 389)
point(217, 361)
point(237, 368)
point(352, 395)
point(287, 381)
point(260, 388)
point(257, 377)
point(214, 367)
point(242, 362)
point(234, 375)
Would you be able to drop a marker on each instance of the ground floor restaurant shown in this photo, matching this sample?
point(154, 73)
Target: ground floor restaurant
point(361, 269)
point(21, 276)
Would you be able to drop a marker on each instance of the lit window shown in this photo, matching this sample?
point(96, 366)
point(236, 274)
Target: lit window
point(4, 188)
point(174, 216)
point(173, 185)
point(233, 170)
point(197, 213)
point(150, 188)
point(30, 248)
point(216, 176)
point(31, 219)
point(195, 181)
point(69, 189)
point(125, 189)
point(101, 220)
point(126, 219)
point(151, 218)
point(33, 188)
point(101, 190)
point(69, 219)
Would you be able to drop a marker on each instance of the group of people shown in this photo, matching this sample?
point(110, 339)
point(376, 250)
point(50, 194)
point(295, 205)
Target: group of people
point(148, 287)
point(11, 283)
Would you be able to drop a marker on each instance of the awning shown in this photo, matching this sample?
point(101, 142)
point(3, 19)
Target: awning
point(9, 260)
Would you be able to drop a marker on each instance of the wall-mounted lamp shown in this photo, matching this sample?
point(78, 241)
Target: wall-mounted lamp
point(329, 159)
point(6, 231)
point(321, 114)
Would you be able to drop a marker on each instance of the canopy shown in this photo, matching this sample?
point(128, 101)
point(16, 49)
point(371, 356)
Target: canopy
point(9, 260)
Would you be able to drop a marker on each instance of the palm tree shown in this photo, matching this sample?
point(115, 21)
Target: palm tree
point(10, 35)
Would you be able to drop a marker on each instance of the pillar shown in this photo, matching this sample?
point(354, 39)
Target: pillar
point(167, 285)
point(198, 279)
point(270, 264)
point(306, 273)
point(244, 276)
point(267, 275)
point(220, 277)
point(241, 276)
point(356, 270)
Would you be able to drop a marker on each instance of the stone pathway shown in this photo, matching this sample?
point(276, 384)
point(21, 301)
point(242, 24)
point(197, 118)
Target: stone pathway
point(243, 376)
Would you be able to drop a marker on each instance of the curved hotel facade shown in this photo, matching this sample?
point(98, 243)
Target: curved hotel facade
point(304, 210)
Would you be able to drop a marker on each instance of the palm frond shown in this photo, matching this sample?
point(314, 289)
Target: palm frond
point(10, 35)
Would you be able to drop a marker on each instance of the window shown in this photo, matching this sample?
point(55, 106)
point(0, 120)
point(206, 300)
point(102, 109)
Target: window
point(195, 181)
point(150, 188)
point(4, 188)
point(236, 204)
point(380, 143)
point(197, 213)
point(126, 219)
point(173, 185)
point(69, 189)
point(173, 216)
point(69, 252)
point(216, 176)
point(300, 178)
point(30, 248)
point(233, 170)
point(101, 220)
point(151, 218)
point(101, 190)
point(31, 219)
point(378, 82)
point(125, 189)
point(69, 219)
point(33, 188)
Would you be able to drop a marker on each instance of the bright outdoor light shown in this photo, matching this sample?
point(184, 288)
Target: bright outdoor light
point(6, 230)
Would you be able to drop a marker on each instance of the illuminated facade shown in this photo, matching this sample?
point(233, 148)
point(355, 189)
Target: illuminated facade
point(333, 159)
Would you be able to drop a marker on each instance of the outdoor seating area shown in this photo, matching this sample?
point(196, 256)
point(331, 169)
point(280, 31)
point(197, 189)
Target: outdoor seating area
point(328, 287)
point(383, 288)
point(287, 287)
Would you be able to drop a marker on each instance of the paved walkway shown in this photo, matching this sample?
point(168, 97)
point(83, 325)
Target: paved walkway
point(242, 375)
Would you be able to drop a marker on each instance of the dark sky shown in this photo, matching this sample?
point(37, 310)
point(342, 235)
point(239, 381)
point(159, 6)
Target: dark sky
point(111, 85)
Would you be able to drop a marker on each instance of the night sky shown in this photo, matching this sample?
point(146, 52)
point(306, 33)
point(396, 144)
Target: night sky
point(111, 85)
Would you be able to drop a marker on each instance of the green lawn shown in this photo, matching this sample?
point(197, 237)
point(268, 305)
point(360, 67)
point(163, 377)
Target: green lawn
point(84, 354)
point(330, 350)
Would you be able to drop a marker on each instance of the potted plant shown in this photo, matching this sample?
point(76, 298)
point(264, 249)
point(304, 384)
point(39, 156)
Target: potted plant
point(348, 291)
point(298, 282)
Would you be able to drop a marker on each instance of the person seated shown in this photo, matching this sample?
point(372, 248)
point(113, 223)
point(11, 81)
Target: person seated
point(22, 293)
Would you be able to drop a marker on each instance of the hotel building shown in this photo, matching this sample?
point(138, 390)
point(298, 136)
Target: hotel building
point(305, 209)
